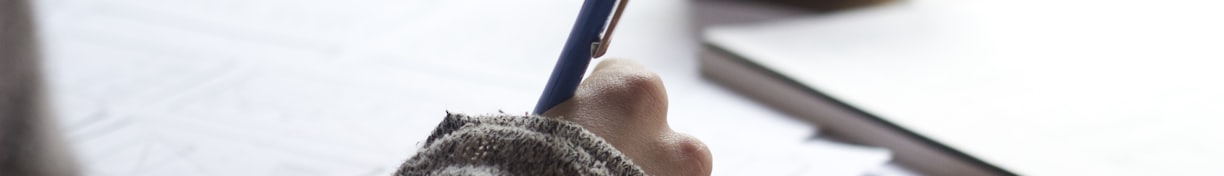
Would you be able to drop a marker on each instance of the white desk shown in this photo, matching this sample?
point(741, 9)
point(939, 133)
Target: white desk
point(311, 87)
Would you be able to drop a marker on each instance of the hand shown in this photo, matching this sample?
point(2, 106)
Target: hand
point(626, 105)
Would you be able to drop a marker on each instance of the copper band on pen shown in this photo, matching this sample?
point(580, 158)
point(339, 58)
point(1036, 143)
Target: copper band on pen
point(601, 47)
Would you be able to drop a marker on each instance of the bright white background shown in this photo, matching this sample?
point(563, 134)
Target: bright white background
point(313, 87)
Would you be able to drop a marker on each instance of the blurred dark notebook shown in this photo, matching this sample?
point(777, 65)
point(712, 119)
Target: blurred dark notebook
point(988, 89)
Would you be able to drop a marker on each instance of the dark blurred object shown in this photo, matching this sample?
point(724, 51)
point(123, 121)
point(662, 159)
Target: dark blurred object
point(819, 5)
point(828, 5)
point(708, 13)
point(28, 144)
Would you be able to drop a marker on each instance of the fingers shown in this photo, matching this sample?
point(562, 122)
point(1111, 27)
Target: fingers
point(619, 94)
point(638, 93)
point(691, 152)
point(626, 104)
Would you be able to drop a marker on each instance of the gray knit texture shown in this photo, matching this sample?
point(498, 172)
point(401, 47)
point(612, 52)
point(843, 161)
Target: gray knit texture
point(515, 145)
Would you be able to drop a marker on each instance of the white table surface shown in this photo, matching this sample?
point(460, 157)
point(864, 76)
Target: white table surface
point(311, 87)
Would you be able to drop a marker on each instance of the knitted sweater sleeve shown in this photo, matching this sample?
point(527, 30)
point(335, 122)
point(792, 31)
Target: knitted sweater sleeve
point(515, 145)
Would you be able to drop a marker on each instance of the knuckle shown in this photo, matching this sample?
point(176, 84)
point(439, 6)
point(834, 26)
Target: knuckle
point(630, 87)
point(641, 83)
point(694, 155)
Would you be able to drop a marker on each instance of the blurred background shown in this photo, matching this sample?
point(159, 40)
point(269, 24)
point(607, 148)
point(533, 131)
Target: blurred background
point(314, 87)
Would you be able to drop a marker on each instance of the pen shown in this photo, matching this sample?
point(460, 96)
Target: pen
point(584, 44)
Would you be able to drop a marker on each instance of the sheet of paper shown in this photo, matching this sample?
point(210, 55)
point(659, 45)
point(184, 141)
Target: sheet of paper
point(276, 87)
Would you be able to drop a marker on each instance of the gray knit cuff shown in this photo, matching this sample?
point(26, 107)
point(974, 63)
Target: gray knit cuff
point(506, 144)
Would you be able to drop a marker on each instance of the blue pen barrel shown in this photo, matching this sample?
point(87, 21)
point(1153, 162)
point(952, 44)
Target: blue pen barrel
point(575, 55)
